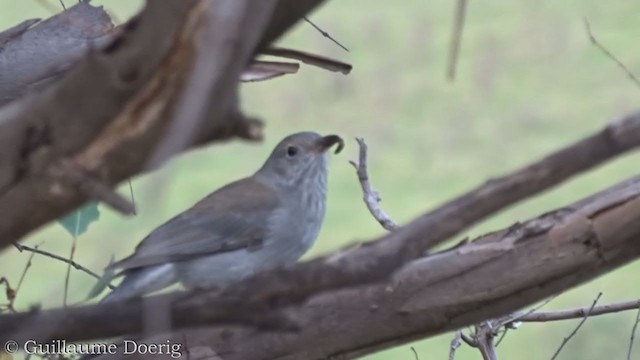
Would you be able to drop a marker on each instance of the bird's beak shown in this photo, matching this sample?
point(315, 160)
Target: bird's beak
point(324, 143)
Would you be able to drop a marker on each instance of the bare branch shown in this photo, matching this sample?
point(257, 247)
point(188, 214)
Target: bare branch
point(110, 112)
point(77, 266)
point(370, 196)
point(608, 54)
point(70, 174)
point(455, 344)
point(310, 59)
point(442, 292)
point(566, 339)
point(633, 333)
point(579, 312)
point(484, 339)
point(325, 34)
point(68, 274)
point(456, 38)
point(415, 353)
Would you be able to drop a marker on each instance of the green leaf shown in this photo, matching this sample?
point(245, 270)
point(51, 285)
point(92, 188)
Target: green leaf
point(103, 282)
point(77, 222)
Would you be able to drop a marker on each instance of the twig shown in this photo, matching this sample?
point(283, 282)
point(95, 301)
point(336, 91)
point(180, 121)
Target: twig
point(415, 353)
point(10, 294)
point(68, 275)
point(469, 341)
point(77, 266)
point(325, 34)
point(47, 5)
point(310, 59)
point(511, 318)
point(455, 344)
point(579, 312)
point(133, 199)
point(27, 266)
point(456, 38)
point(484, 340)
point(70, 174)
point(63, 7)
point(566, 339)
point(604, 50)
point(633, 334)
point(504, 333)
point(370, 196)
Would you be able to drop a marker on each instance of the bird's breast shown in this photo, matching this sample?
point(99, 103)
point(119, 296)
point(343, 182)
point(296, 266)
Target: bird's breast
point(297, 226)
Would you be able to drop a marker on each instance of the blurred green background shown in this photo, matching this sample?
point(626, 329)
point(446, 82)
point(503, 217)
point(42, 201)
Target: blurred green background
point(529, 81)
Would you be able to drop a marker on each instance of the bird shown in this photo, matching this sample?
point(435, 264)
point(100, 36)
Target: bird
point(262, 222)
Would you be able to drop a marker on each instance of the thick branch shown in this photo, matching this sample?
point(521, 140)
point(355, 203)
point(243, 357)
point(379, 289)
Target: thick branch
point(494, 275)
point(108, 114)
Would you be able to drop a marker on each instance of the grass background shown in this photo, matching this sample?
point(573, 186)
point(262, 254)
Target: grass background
point(529, 81)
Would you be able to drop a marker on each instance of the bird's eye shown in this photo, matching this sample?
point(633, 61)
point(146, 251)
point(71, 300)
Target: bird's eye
point(292, 151)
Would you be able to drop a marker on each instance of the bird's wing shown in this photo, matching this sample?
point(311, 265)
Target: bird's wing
point(234, 217)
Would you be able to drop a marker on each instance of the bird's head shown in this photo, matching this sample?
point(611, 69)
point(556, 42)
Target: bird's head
point(298, 157)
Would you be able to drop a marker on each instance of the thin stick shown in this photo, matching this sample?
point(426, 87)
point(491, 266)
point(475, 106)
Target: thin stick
point(10, 292)
point(370, 196)
point(608, 53)
point(456, 38)
point(566, 340)
point(455, 344)
point(45, 4)
point(324, 33)
point(633, 334)
point(415, 353)
point(77, 266)
point(73, 251)
point(133, 199)
point(511, 318)
point(579, 312)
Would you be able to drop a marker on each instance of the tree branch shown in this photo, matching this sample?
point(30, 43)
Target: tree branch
point(369, 195)
point(584, 318)
point(108, 114)
point(493, 275)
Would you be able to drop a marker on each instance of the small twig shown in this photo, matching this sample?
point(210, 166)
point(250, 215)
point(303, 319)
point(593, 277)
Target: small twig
point(607, 53)
point(71, 255)
point(456, 38)
point(566, 339)
point(63, 7)
point(133, 199)
point(518, 316)
point(10, 294)
point(370, 196)
point(579, 312)
point(77, 266)
point(633, 333)
point(415, 353)
point(47, 5)
point(324, 33)
point(27, 266)
point(504, 333)
point(469, 341)
point(71, 175)
point(455, 344)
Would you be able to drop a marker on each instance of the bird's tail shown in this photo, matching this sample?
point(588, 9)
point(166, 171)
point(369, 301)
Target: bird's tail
point(140, 281)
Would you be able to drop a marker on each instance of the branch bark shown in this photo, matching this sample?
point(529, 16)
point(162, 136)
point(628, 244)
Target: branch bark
point(493, 275)
point(107, 115)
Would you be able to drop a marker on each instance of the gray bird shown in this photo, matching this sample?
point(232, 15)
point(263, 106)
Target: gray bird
point(258, 223)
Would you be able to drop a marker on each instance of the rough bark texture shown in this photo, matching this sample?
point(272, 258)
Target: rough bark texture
point(493, 275)
point(107, 115)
